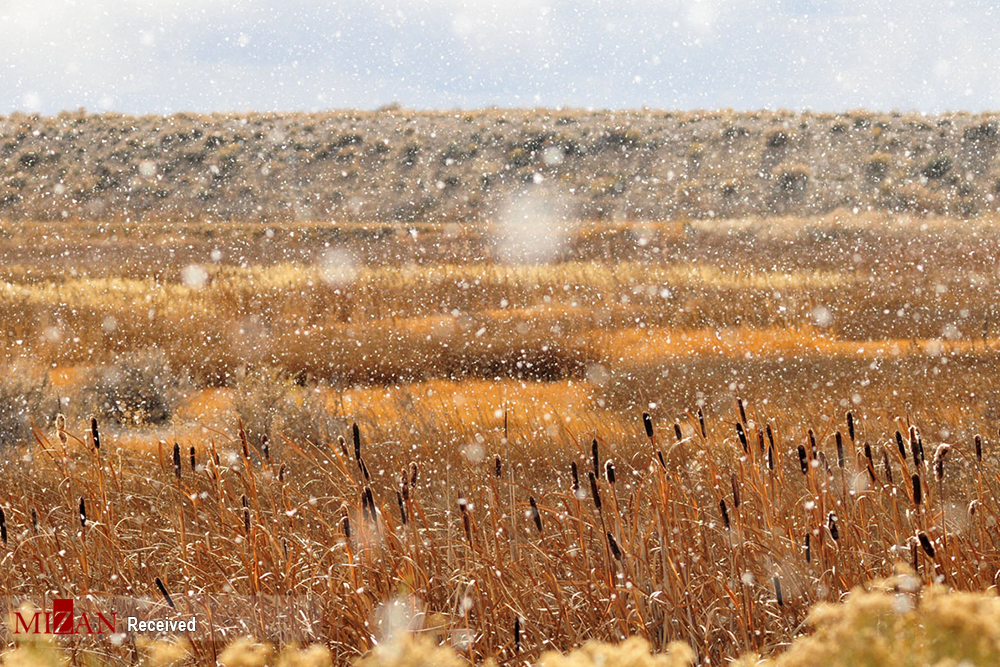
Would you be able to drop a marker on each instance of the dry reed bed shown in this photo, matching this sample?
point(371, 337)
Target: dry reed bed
point(718, 533)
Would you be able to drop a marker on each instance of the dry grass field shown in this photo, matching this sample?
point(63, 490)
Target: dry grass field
point(397, 445)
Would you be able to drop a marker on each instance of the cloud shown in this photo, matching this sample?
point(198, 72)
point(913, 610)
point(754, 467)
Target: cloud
point(168, 55)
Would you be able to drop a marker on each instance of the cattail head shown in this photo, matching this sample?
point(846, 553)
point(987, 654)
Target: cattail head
point(404, 486)
point(402, 507)
point(194, 460)
point(770, 457)
point(743, 412)
point(413, 473)
point(725, 513)
point(647, 421)
point(615, 549)
point(595, 457)
point(61, 428)
point(770, 434)
point(900, 446)
point(925, 543)
point(812, 443)
point(164, 593)
point(34, 520)
point(736, 490)
point(886, 465)
point(517, 634)
point(850, 425)
point(701, 423)
point(536, 517)
point(918, 495)
point(803, 460)
point(808, 547)
point(979, 448)
point(595, 491)
point(83, 513)
point(576, 477)
point(743, 438)
point(346, 523)
point(3, 526)
point(265, 445)
point(663, 462)
point(177, 460)
point(831, 521)
point(777, 591)
point(677, 432)
point(609, 472)
point(938, 462)
point(95, 433)
point(356, 434)
point(840, 448)
point(497, 466)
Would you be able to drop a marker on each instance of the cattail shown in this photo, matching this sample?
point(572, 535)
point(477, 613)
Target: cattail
point(371, 503)
point(356, 434)
point(887, 466)
point(870, 462)
point(34, 520)
point(177, 460)
point(914, 554)
point(925, 542)
point(725, 513)
point(743, 413)
point(743, 438)
point(648, 423)
point(736, 490)
point(517, 634)
point(900, 446)
point(83, 513)
point(840, 449)
point(194, 461)
point(463, 507)
point(663, 463)
point(281, 473)
point(777, 592)
point(831, 520)
point(164, 593)
point(609, 472)
point(770, 457)
point(850, 426)
point(595, 492)
point(497, 466)
point(760, 441)
point(61, 428)
point(914, 448)
point(615, 551)
point(939, 456)
point(404, 486)
point(812, 444)
point(803, 460)
point(918, 495)
point(770, 434)
point(979, 448)
point(701, 423)
point(576, 478)
point(920, 448)
point(595, 457)
point(246, 520)
point(93, 432)
point(3, 526)
point(972, 507)
point(343, 446)
point(402, 507)
point(535, 515)
point(346, 523)
point(265, 445)
point(677, 432)
point(808, 548)
point(413, 473)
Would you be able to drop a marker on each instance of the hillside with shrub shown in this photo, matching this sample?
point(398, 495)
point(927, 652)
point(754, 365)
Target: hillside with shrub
point(401, 165)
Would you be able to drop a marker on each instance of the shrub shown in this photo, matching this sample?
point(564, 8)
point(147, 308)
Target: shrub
point(877, 166)
point(139, 388)
point(268, 403)
point(24, 393)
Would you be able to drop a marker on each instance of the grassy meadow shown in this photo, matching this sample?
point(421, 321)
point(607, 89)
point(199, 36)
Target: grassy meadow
point(412, 449)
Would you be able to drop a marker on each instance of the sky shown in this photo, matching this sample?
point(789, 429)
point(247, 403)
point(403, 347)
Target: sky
point(165, 56)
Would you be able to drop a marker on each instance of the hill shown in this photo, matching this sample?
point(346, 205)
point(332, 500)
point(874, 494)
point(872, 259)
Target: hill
point(400, 165)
